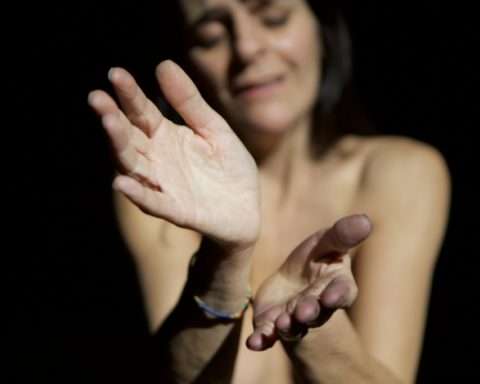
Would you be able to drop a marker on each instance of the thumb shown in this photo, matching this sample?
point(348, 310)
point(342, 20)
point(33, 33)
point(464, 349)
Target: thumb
point(346, 233)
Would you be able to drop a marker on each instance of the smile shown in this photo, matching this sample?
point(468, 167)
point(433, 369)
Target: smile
point(260, 89)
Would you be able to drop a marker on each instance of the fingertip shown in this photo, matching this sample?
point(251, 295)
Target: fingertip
point(331, 299)
point(254, 342)
point(119, 183)
point(92, 98)
point(335, 294)
point(170, 63)
point(283, 322)
point(263, 337)
point(352, 230)
point(96, 99)
point(113, 74)
point(164, 65)
point(307, 310)
point(126, 185)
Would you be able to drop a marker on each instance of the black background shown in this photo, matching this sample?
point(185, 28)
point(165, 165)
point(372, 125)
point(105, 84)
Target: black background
point(77, 314)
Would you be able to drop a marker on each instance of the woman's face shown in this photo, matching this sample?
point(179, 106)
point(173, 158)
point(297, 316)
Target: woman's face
point(259, 61)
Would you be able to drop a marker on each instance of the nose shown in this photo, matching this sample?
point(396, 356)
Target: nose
point(249, 38)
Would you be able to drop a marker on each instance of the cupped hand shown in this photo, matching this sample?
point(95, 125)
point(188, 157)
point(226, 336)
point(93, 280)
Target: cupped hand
point(314, 281)
point(199, 175)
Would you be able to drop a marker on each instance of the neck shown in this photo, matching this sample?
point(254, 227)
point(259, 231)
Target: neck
point(283, 162)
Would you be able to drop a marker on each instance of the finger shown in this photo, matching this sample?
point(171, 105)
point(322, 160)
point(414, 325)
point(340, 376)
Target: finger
point(283, 323)
point(307, 309)
point(149, 200)
point(102, 103)
point(259, 342)
point(293, 332)
point(130, 146)
point(288, 328)
point(184, 97)
point(292, 323)
point(255, 341)
point(346, 233)
point(340, 293)
point(138, 108)
point(122, 133)
point(262, 338)
point(264, 332)
point(309, 313)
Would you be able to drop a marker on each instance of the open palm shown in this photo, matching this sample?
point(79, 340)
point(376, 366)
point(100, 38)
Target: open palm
point(198, 175)
point(314, 281)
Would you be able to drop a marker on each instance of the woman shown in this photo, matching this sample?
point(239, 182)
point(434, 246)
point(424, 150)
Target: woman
point(260, 208)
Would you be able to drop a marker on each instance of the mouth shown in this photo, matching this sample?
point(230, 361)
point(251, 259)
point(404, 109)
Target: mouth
point(259, 88)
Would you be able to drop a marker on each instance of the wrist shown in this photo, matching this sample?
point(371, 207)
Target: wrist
point(239, 240)
point(223, 248)
point(218, 253)
point(220, 276)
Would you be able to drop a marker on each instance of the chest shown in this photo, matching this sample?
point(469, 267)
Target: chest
point(317, 206)
point(285, 229)
point(283, 234)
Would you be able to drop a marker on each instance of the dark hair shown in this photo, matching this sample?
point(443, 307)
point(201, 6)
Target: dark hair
point(338, 110)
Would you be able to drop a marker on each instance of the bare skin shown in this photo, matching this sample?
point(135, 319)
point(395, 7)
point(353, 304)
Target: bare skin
point(274, 245)
point(311, 236)
point(344, 180)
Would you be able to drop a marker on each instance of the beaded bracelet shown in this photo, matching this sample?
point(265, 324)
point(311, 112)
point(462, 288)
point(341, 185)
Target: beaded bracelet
point(213, 313)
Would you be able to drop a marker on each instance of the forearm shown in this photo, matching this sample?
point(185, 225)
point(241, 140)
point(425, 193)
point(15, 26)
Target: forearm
point(333, 353)
point(189, 342)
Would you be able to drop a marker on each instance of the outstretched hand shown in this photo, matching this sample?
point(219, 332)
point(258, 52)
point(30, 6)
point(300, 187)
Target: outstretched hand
point(199, 175)
point(315, 280)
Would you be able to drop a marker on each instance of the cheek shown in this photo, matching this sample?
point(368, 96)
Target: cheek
point(211, 67)
point(300, 45)
point(302, 50)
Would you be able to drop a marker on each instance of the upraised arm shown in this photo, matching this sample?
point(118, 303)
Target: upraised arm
point(197, 176)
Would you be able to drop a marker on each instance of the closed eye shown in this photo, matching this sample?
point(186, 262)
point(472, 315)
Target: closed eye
point(209, 42)
point(209, 34)
point(275, 19)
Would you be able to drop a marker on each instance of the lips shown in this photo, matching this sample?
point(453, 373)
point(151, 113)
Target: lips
point(256, 86)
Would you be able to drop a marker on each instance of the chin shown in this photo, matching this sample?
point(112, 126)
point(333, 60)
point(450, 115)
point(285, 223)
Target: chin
point(266, 120)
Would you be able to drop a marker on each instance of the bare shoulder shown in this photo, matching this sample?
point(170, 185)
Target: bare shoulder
point(400, 164)
point(405, 150)
point(390, 163)
point(405, 183)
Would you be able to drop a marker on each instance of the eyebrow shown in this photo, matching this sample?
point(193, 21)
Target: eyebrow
point(259, 4)
point(221, 13)
point(213, 14)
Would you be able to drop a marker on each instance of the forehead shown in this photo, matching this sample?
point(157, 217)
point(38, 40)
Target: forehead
point(194, 9)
